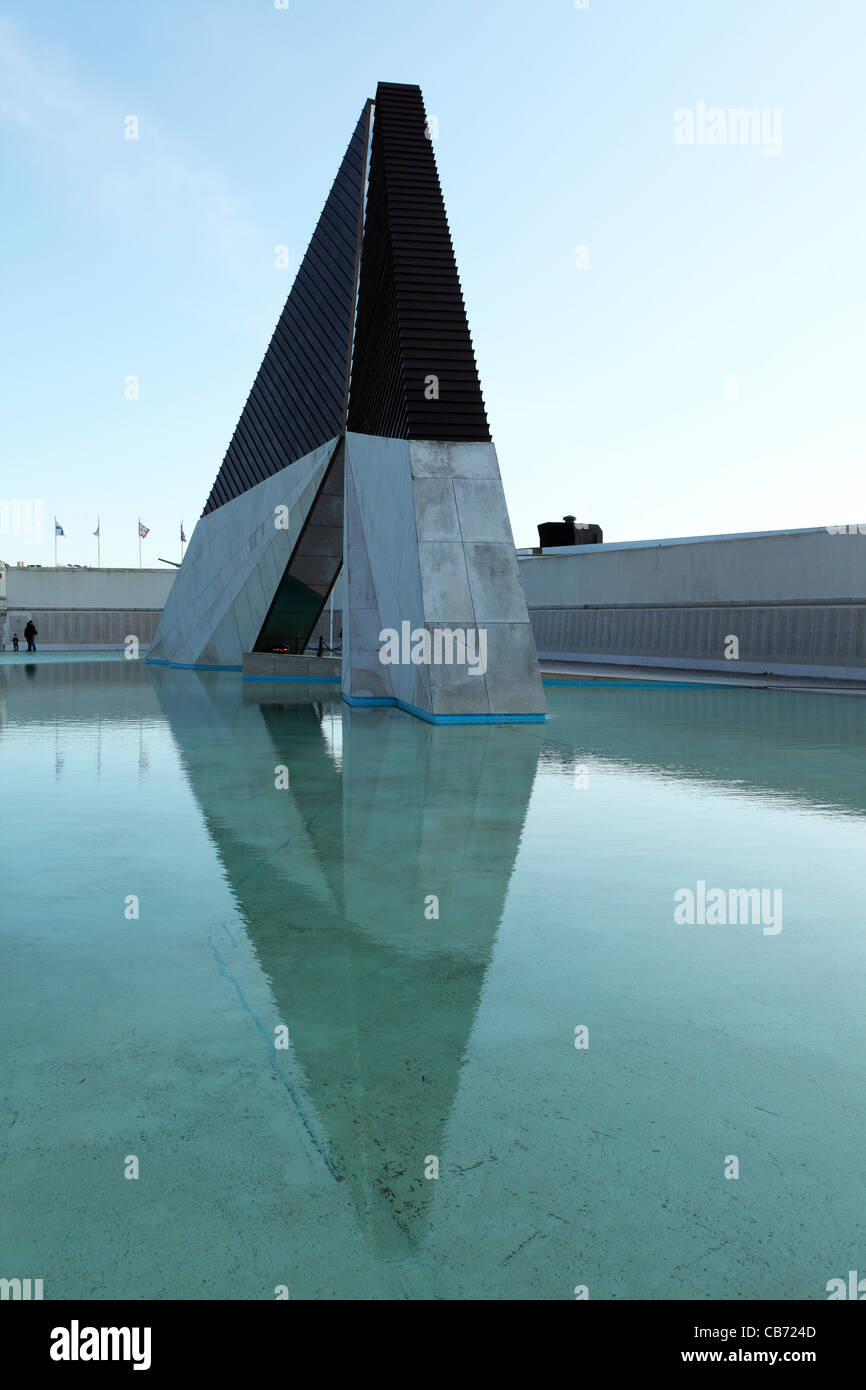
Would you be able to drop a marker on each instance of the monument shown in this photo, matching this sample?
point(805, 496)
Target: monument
point(364, 447)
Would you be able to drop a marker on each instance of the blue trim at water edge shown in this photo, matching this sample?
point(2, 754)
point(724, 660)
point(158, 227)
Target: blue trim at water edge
point(300, 680)
point(185, 666)
point(381, 702)
point(370, 701)
point(644, 685)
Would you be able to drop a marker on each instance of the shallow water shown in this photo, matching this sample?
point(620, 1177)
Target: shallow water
point(555, 852)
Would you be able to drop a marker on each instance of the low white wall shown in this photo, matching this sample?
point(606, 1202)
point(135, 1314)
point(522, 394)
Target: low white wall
point(765, 566)
point(795, 601)
point(82, 608)
point(87, 588)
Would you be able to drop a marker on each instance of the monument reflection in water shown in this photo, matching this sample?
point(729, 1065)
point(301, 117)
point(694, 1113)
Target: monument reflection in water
point(372, 886)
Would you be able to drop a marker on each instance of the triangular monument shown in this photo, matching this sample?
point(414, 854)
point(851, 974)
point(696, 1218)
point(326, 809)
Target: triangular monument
point(364, 446)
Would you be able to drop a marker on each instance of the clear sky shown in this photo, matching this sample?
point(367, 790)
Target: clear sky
point(700, 371)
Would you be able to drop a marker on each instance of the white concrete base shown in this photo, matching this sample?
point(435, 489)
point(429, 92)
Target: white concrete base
point(234, 562)
point(428, 545)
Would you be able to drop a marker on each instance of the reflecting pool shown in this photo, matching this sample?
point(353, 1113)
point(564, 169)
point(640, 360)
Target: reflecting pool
point(296, 959)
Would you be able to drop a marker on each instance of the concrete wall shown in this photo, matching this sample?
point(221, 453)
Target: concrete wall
point(428, 549)
point(236, 558)
point(82, 607)
point(759, 566)
point(795, 601)
point(88, 588)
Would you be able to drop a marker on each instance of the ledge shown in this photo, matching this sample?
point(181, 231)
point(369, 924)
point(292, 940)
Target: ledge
point(284, 666)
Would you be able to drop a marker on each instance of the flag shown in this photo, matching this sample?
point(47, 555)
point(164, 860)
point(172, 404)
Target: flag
point(58, 529)
point(142, 531)
point(182, 536)
point(96, 532)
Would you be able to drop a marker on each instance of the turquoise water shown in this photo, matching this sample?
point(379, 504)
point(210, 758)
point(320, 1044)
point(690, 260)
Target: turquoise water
point(555, 852)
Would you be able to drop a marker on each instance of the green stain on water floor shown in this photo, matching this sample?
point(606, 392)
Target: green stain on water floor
point(554, 852)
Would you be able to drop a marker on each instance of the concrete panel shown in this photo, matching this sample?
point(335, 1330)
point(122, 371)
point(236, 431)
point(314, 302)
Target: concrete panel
point(234, 558)
point(198, 575)
point(363, 593)
point(290, 666)
point(258, 663)
point(437, 460)
point(271, 568)
point(512, 680)
point(445, 582)
point(227, 641)
point(367, 681)
point(403, 541)
point(482, 510)
point(436, 510)
point(412, 684)
point(363, 635)
point(381, 560)
point(362, 675)
point(247, 621)
point(495, 583)
point(201, 621)
point(385, 514)
point(455, 690)
point(316, 667)
point(260, 595)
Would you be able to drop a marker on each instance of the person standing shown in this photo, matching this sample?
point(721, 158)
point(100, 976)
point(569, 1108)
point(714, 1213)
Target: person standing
point(15, 641)
point(30, 632)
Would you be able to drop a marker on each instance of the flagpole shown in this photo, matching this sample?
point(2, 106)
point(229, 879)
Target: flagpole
point(55, 542)
point(139, 542)
point(182, 542)
point(98, 539)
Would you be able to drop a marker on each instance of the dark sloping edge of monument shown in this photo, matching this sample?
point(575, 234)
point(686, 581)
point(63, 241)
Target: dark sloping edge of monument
point(298, 399)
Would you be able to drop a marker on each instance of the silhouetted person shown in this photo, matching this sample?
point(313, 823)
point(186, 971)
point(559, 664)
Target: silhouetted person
point(30, 632)
point(15, 641)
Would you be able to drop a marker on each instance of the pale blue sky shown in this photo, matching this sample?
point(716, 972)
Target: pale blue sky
point(715, 271)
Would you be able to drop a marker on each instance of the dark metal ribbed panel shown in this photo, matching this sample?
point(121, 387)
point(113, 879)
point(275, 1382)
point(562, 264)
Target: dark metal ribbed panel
point(298, 399)
point(411, 321)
